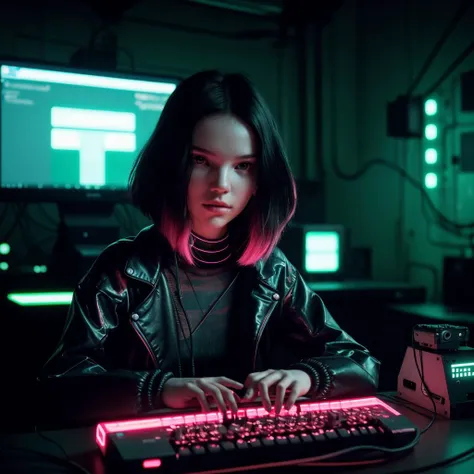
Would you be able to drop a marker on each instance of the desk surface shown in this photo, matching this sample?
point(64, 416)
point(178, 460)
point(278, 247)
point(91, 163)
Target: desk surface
point(439, 312)
point(360, 285)
point(444, 439)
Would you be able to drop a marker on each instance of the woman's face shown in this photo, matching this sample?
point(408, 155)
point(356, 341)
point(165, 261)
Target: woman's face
point(223, 177)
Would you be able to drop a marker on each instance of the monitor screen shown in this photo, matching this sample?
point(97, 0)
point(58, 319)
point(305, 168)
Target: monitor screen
point(322, 249)
point(316, 250)
point(70, 134)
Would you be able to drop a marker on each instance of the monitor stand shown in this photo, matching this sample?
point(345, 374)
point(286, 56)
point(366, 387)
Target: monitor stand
point(84, 231)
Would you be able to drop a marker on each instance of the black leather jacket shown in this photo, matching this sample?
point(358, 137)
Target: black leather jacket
point(120, 326)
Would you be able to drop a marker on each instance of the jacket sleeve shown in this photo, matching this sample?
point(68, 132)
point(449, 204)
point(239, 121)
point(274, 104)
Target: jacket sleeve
point(337, 364)
point(80, 382)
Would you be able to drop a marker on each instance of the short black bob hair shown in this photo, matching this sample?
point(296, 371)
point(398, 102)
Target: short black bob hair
point(160, 175)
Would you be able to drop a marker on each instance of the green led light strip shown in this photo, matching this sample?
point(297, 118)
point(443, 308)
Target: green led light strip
point(431, 139)
point(44, 298)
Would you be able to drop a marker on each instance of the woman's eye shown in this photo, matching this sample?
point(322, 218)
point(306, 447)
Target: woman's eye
point(199, 160)
point(245, 166)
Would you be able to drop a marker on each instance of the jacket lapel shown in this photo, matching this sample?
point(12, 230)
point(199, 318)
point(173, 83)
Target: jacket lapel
point(149, 249)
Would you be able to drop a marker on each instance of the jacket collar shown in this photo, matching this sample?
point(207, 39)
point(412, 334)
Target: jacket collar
point(149, 247)
point(147, 251)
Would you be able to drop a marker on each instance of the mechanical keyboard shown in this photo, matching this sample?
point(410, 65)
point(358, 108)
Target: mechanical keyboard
point(252, 438)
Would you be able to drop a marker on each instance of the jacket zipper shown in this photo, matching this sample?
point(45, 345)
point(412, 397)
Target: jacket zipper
point(145, 343)
point(260, 332)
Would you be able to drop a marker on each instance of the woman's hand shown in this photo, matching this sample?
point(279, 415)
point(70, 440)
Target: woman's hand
point(295, 383)
point(184, 392)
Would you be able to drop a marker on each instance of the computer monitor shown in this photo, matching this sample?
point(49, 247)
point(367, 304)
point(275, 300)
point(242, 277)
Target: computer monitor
point(73, 135)
point(316, 250)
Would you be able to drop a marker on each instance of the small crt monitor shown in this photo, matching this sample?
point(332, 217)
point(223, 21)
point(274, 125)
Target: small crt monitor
point(316, 250)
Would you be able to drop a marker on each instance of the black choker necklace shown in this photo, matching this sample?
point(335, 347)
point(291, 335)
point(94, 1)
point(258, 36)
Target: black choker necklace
point(210, 253)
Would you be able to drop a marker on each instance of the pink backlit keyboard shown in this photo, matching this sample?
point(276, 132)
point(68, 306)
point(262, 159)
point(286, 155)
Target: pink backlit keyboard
point(206, 442)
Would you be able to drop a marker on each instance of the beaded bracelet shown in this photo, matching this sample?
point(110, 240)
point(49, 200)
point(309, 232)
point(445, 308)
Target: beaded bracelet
point(326, 378)
point(164, 379)
point(313, 374)
point(151, 385)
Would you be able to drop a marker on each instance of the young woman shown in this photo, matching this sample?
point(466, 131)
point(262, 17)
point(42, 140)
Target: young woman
point(201, 307)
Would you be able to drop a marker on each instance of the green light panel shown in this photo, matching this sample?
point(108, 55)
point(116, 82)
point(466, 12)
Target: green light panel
point(322, 251)
point(431, 131)
point(459, 371)
point(4, 248)
point(431, 107)
point(431, 156)
point(431, 180)
point(53, 298)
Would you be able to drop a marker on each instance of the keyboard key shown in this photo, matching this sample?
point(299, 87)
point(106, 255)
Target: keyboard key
point(242, 444)
point(268, 441)
point(343, 433)
point(214, 448)
point(198, 449)
point(255, 443)
point(294, 439)
point(228, 446)
point(184, 451)
point(319, 437)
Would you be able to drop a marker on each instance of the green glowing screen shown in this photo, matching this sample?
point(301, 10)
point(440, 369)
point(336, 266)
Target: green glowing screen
point(64, 130)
